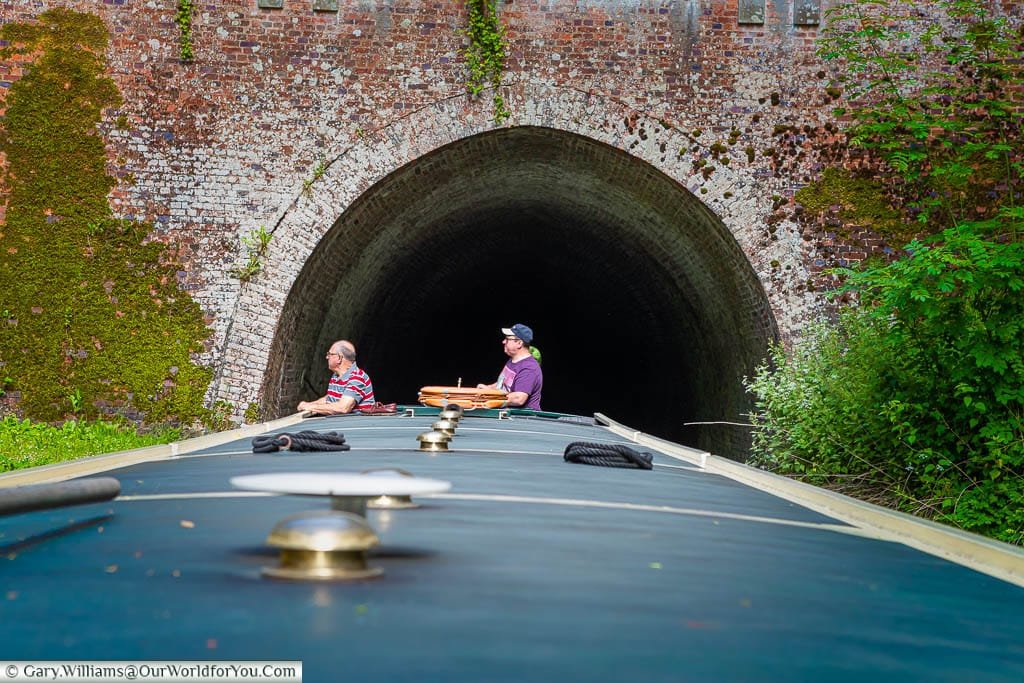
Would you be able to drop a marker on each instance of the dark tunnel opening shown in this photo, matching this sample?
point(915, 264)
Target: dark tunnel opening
point(642, 303)
point(595, 357)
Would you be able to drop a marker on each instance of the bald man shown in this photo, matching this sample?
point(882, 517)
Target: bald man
point(349, 389)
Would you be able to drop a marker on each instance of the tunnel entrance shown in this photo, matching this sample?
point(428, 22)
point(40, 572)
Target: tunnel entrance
point(642, 303)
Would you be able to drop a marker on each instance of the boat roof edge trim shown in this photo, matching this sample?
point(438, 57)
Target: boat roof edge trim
point(994, 558)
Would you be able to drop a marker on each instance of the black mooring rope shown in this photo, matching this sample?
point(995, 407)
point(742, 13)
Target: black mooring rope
point(607, 455)
point(303, 441)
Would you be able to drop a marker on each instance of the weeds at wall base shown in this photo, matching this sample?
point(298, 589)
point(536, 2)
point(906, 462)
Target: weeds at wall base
point(24, 443)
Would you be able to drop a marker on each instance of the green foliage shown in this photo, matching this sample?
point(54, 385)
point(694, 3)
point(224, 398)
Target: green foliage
point(817, 414)
point(252, 413)
point(485, 55)
point(318, 172)
point(255, 243)
point(218, 419)
point(27, 444)
point(183, 18)
point(859, 201)
point(915, 397)
point(95, 318)
point(937, 100)
point(76, 401)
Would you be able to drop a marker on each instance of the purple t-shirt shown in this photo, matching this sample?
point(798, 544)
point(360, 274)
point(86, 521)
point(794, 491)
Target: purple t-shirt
point(523, 375)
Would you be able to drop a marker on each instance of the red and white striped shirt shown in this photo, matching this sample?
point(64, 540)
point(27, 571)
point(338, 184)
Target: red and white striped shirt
point(355, 383)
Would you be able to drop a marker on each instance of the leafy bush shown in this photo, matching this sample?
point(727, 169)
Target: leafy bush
point(915, 397)
point(817, 413)
point(27, 444)
point(956, 313)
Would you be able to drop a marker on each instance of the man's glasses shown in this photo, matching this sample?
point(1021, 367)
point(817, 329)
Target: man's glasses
point(508, 339)
point(331, 353)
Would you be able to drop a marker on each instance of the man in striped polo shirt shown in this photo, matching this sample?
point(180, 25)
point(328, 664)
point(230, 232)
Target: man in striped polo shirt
point(349, 389)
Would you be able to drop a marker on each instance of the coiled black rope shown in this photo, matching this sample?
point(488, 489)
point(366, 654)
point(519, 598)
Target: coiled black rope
point(607, 455)
point(303, 441)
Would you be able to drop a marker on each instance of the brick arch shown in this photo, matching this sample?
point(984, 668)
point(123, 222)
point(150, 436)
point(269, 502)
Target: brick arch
point(409, 226)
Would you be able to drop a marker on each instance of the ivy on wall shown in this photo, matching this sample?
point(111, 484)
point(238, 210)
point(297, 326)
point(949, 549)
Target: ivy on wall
point(93, 319)
point(485, 55)
point(183, 18)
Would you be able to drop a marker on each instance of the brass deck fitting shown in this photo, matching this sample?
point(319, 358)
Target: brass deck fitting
point(450, 415)
point(433, 441)
point(323, 545)
point(390, 502)
point(446, 426)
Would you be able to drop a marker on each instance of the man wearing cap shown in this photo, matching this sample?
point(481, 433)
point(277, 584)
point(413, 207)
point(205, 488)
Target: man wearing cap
point(350, 387)
point(521, 377)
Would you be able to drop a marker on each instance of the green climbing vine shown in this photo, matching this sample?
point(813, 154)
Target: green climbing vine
point(94, 320)
point(485, 55)
point(184, 20)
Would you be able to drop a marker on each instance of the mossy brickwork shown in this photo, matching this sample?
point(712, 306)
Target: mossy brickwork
point(93, 320)
point(853, 200)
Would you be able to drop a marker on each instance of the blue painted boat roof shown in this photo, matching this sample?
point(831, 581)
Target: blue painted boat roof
point(529, 569)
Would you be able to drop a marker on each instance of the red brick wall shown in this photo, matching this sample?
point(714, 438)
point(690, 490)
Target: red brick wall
point(221, 145)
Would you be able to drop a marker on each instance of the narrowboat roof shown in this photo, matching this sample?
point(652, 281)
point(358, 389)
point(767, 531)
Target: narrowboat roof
point(529, 568)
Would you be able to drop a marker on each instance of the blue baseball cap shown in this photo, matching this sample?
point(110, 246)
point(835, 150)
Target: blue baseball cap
point(520, 331)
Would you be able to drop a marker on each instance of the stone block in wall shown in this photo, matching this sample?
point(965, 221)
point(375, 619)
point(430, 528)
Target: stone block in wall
point(806, 12)
point(751, 11)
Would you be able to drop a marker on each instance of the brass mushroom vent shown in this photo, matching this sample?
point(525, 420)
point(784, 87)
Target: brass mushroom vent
point(331, 545)
point(324, 545)
point(433, 441)
point(446, 426)
point(390, 501)
point(451, 414)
